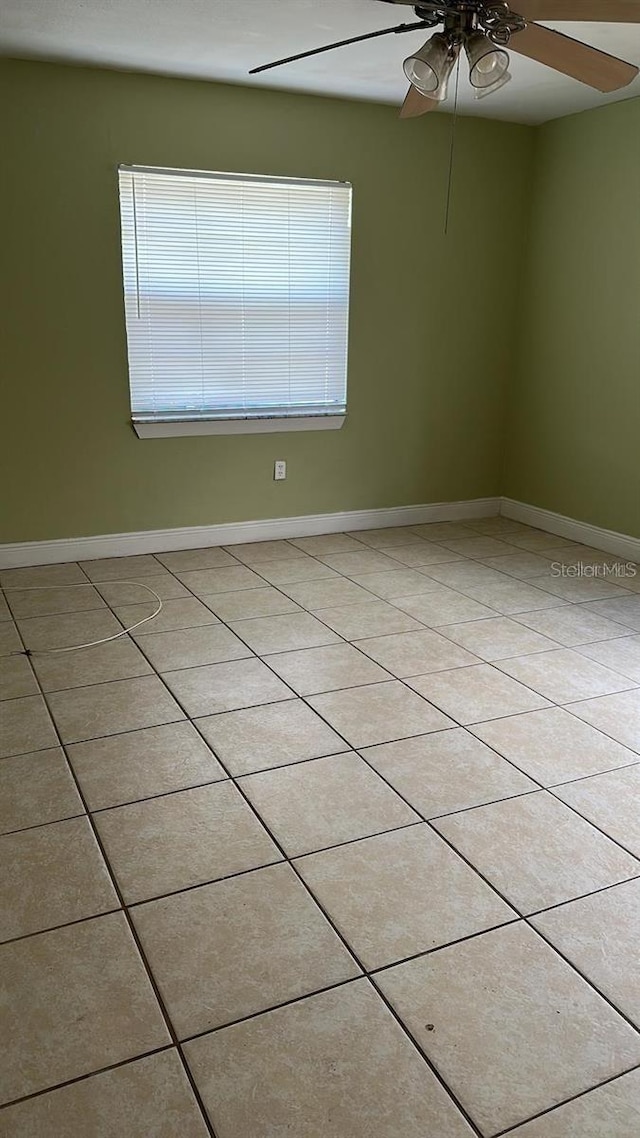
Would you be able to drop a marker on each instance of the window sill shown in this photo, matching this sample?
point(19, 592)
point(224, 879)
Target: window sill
point(175, 429)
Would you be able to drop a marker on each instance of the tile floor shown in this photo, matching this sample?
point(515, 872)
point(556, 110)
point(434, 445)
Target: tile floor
point(343, 844)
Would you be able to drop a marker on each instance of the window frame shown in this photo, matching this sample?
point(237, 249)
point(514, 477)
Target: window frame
point(171, 424)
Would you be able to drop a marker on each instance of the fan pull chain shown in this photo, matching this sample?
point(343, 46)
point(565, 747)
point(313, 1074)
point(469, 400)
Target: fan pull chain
point(452, 150)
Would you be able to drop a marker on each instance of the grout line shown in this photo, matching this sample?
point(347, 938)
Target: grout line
point(132, 930)
point(88, 1075)
point(565, 1102)
point(261, 821)
point(238, 778)
point(582, 897)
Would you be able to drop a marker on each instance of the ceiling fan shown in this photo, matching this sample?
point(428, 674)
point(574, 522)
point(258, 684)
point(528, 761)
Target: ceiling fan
point(484, 29)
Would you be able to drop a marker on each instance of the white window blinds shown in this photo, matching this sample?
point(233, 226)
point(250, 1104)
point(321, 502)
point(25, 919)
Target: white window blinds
point(236, 294)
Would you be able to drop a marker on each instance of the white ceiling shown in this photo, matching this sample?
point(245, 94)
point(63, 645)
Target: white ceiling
point(222, 39)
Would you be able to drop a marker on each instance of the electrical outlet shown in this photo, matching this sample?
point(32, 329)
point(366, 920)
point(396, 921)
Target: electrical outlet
point(280, 470)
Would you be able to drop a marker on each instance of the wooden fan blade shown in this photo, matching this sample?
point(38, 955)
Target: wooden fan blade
point(597, 11)
point(581, 62)
point(416, 104)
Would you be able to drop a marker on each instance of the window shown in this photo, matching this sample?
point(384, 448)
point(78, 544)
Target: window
point(236, 296)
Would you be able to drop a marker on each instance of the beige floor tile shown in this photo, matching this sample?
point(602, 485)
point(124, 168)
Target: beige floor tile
point(142, 764)
point(16, 677)
point(301, 569)
point(497, 638)
point(187, 612)
point(120, 568)
point(237, 947)
point(478, 546)
point(443, 606)
point(608, 564)
point(398, 583)
point(25, 725)
point(270, 736)
point(512, 597)
point(184, 839)
point(473, 694)
point(338, 1056)
point(386, 537)
point(52, 875)
point(524, 566)
point(150, 1096)
point(76, 999)
point(600, 935)
point(211, 558)
point(458, 574)
point(327, 543)
point(625, 611)
point(553, 746)
point(572, 625)
point(205, 582)
point(226, 687)
point(5, 613)
point(425, 554)
point(10, 642)
point(414, 653)
point(326, 592)
point(616, 715)
point(192, 647)
point(35, 789)
point(44, 632)
point(46, 575)
point(260, 552)
point(375, 618)
point(309, 806)
point(564, 675)
point(497, 525)
point(622, 655)
point(440, 531)
point(45, 602)
point(505, 1002)
point(367, 561)
point(315, 670)
point(247, 603)
point(378, 713)
point(580, 589)
point(536, 851)
point(108, 709)
point(117, 660)
point(446, 771)
point(537, 541)
point(284, 633)
point(610, 801)
point(398, 894)
point(132, 592)
point(611, 1110)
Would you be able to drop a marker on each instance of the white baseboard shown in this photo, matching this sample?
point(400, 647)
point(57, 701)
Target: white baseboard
point(198, 537)
point(620, 544)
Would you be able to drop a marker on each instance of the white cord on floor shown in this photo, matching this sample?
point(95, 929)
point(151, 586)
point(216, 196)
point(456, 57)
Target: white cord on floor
point(84, 585)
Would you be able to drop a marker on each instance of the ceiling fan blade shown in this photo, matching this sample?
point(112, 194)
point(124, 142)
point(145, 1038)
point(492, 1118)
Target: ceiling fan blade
point(416, 104)
point(598, 11)
point(581, 62)
point(399, 28)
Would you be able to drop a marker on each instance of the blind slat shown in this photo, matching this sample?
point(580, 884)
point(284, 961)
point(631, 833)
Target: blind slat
point(236, 294)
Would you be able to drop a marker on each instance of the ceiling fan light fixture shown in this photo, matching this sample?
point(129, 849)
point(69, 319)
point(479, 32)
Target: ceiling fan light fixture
point(482, 92)
point(429, 69)
point(488, 63)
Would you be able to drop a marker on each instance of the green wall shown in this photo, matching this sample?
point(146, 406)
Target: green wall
point(573, 438)
point(429, 359)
